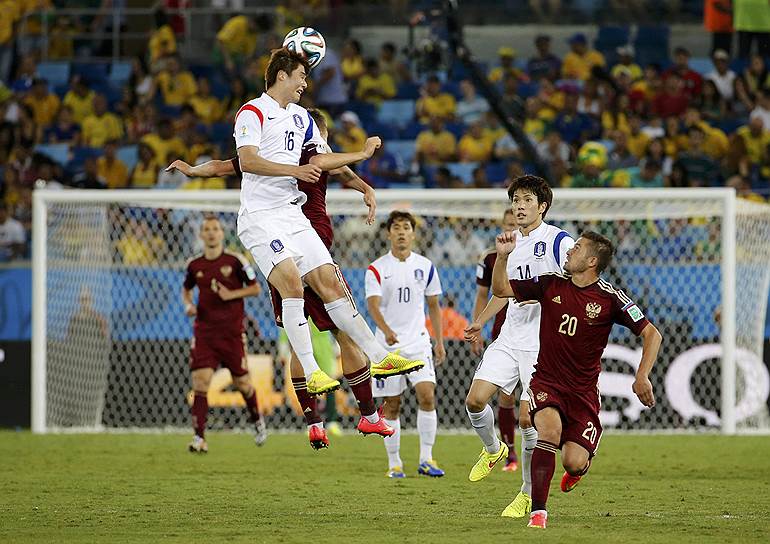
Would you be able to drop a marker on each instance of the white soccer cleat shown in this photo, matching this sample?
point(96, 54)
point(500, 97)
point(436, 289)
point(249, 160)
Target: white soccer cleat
point(260, 432)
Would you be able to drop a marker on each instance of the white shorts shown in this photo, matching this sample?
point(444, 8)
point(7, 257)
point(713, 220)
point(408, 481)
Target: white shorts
point(505, 367)
point(395, 385)
point(272, 236)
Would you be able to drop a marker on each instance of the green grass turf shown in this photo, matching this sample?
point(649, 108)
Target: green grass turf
point(148, 488)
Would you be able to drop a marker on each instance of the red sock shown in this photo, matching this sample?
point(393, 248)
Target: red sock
point(307, 402)
point(252, 406)
point(506, 420)
point(200, 411)
point(543, 465)
point(360, 382)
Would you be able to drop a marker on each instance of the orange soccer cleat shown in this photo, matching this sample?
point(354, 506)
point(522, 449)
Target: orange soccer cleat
point(568, 482)
point(538, 519)
point(381, 428)
point(318, 438)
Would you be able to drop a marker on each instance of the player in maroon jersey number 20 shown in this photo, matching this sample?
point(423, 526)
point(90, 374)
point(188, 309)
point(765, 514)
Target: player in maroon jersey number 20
point(577, 313)
point(223, 280)
point(354, 364)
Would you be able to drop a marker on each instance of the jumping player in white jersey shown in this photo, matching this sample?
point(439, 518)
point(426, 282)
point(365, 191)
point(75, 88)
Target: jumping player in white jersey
point(397, 286)
point(270, 133)
point(540, 248)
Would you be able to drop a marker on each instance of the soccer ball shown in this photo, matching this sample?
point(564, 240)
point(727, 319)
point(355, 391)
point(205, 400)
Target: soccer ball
point(307, 42)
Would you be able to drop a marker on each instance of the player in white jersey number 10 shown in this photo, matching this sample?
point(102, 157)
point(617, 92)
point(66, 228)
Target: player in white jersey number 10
point(270, 132)
point(397, 286)
point(511, 358)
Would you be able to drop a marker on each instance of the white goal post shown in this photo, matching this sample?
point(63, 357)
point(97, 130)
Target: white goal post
point(109, 348)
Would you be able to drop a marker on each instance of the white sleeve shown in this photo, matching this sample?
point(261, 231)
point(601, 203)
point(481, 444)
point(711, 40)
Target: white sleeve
point(372, 286)
point(562, 244)
point(315, 135)
point(433, 286)
point(248, 128)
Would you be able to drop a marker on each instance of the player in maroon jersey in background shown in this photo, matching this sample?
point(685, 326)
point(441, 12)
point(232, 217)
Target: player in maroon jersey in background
point(223, 279)
point(354, 365)
point(578, 311)
point(506, 415)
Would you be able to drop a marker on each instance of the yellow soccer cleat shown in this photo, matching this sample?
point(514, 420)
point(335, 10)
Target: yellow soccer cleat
point(393, 365)
point(320, 383)
point(520, 507)
point(487, 462)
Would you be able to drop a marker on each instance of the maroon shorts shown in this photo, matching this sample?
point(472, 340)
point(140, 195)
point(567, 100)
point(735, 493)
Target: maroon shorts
point(579, 412)
point(212, 351)
point(314, 306)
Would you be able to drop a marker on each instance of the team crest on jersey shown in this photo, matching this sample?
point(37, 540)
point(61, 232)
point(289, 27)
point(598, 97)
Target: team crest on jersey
point(593, 310)
point(276, 246)
point(199, 274)
point(542, 396)
point(540, 249)
point(419, 275)
point(226, 270)
point(298, 121)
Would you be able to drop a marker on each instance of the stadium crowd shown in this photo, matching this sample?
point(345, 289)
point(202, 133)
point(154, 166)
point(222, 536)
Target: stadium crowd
point(614, 113)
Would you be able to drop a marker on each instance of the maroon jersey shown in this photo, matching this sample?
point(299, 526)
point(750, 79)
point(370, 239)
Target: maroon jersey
point(484, 279)
point(575, 325)
point(315, 207)
point(216, 316)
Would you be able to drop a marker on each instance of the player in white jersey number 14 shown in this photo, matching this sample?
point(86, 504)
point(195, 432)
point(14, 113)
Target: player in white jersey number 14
point(270, 132)
point(397, 286)
point(511, 358)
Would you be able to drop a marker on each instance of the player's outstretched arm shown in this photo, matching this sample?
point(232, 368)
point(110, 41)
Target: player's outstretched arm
point(494, 305)
point(209, 169)
point(505, 243)
point(351, 179)
point(651, 341)
point(332, 161)
point(434, 311)
point(252, 163)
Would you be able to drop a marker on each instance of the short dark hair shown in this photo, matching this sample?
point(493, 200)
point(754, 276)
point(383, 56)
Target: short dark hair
point(283, 60)
point(535, 185)
point(602, 249)
point(398, 215)
point(318, 118)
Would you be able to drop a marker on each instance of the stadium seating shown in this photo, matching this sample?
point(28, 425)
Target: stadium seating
point(56, 152)
point(609, 39)
point(396, 112)
point(496, 172)
point(57, 73)
point(120, 73)
point(91, 71)
point(463, 170)
point(652, 44)
point(129, 155)
point(702, 65)
point(403, 149)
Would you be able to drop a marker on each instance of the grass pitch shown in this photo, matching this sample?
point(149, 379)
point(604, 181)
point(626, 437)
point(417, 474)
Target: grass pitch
point(148, 488)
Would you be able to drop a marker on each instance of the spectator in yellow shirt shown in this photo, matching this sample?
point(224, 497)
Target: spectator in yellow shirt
point(434, 103)
point(207, 107)
point(436, 145)
point(716, 143)
point(176, 85)
point(375, 85)
point(474, 146)
point(163, 142)
point(102, 126)
point(626, 63)
point(351, 137)
point(138, 245)
point(61, 42)
point(507, 56)
point(162, 40)
point(636, 140)
point(80, 99)
point(756, 139)
point(44, 105)
point(145, 173)
point(110, 168)
point(580, 60)
point(237, 40)
point(351, 62)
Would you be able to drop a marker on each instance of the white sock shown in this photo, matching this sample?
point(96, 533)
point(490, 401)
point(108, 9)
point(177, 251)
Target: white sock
point(393, 444)
point(298, 331)
point(528, 442)
point(350, 321)
point(373, 417)
point(319, 425)
point(484, 424)
point(427, 422)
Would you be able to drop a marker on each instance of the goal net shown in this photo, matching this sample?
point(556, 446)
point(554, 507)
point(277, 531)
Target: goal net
point(111, 340)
